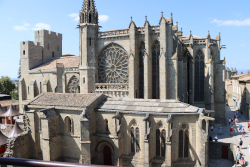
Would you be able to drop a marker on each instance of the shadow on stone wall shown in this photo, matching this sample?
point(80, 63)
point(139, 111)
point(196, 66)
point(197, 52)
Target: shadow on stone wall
point(219, 150)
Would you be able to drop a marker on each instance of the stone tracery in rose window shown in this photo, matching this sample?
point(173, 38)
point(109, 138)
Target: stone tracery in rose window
point(73, 85)
point(113, 65)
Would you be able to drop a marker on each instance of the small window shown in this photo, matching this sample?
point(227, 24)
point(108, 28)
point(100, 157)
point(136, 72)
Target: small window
point(89, 41)
point(53, 54)
point(69, 126)
point(23, 52)
point(90, 18)
point(23, 43)
point(135, 139)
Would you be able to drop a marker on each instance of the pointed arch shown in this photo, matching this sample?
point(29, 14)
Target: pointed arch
point(199, 67)
point(155, 69)
point(141, 69)
point(73, 85)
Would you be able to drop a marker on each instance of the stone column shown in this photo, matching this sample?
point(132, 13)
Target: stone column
point(146, 141)
point(163, 59)
point(168, 151)
point(147, 63)
point(45, 139)
point(132, 58)
point(85, 141)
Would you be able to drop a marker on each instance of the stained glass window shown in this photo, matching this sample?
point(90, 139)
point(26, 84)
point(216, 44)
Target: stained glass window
point(199, 77)
point(141, 70)
point(113, 65)
point(155, 69)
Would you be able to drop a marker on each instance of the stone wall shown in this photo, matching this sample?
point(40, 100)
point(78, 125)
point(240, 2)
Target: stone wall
point(215, 150)
point(20, 147)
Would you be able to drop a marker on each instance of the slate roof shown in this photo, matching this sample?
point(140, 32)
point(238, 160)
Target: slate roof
point(75, 100)
point(147, 105)
point(71, 61)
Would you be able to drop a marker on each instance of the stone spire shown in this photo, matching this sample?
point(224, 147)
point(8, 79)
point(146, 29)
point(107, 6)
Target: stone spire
point(88, 13)
point(88, 5)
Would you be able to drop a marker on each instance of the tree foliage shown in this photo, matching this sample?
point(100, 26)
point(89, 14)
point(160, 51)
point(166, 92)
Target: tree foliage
point(6, 85)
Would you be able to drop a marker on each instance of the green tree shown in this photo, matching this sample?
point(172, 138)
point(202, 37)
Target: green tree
point(6, 85)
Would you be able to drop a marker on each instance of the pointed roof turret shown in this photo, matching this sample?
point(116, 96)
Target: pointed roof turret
point(3, 139)
point(2, 111)
point(10, 113)
point(132, 23)
point(146, 21)
point(16, 130)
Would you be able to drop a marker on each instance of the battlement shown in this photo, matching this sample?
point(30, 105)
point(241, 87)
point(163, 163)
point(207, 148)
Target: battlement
point(47, 34)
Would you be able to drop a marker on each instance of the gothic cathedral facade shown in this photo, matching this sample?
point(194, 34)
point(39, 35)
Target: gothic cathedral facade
point(148, 62)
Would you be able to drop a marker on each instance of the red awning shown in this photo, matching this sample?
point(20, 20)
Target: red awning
point(10, 113)
point(2, 111)
point(3, 139)
point(16, 130)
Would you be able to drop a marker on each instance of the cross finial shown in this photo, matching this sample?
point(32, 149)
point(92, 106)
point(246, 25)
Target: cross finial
point(131, 18)
point(190, 32)
point(208, 32)
point(161, 13)
point(146, 18)
point(171, 14)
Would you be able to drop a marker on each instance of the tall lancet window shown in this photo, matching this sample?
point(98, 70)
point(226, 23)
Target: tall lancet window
point(199, 77)
point(141, 69)
point(155, 69)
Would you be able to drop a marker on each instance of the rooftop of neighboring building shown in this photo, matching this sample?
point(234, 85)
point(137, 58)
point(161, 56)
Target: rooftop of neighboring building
point(5, 97)
point(147, 105)
point(66, 60)
point(8, 102)
point(187, 37)
point(73, 100)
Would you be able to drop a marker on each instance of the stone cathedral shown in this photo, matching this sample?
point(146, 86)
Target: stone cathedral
point(139, 96)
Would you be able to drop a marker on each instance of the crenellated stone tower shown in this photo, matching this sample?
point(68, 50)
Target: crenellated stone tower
point(88, 31)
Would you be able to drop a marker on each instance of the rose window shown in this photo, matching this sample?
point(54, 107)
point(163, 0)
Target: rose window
point(73, 85)
point(113, 65)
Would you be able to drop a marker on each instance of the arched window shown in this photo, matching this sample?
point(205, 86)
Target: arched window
point(135, 138)
point(199, 77)
point(155, 69)
point(183, 142)
point(132, 140)
point(69, 126)
point(106, 125)
point(41, 88)
point(141, 69)
point(160, 142)
point(73, 86)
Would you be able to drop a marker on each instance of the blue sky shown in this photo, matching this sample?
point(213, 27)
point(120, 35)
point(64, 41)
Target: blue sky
point(19, 19)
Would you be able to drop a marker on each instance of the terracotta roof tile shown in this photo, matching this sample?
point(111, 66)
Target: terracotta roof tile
point(72, 61)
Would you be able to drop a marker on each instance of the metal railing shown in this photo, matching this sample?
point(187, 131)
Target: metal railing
point(32, 162)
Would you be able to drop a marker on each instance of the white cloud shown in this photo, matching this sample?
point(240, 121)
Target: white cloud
point(103, 18)
point(245, 22)
point(75, 16)
point(40, 26)
point(23, 27)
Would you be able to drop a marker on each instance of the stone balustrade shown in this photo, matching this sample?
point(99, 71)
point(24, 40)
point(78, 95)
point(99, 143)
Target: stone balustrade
point(113, 33)
point(71, 69)
point(112, 89)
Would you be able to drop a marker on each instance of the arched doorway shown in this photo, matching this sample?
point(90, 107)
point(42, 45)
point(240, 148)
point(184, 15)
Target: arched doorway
point(107, 157)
